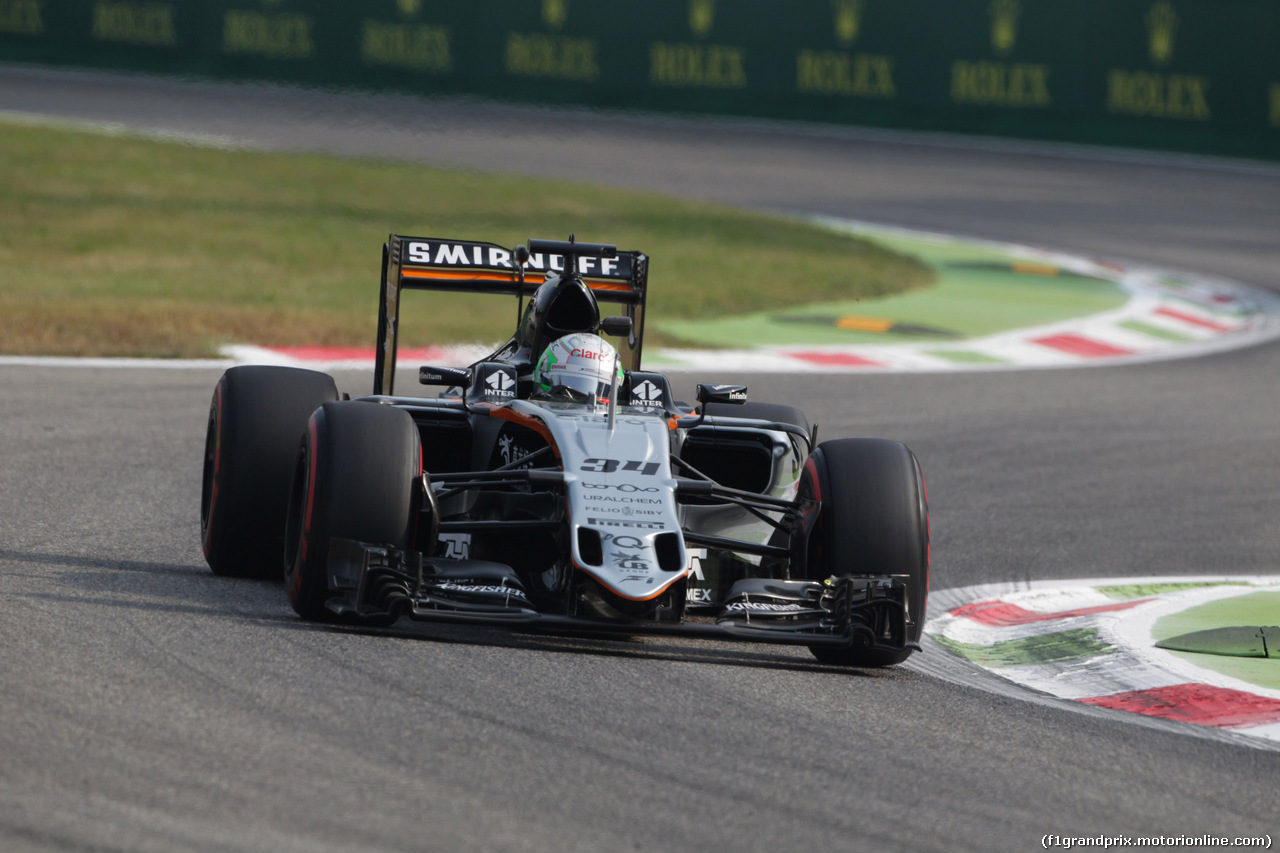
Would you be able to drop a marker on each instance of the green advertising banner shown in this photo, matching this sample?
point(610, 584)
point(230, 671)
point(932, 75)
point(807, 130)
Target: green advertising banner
point(1200, 75)
point(1206, 63)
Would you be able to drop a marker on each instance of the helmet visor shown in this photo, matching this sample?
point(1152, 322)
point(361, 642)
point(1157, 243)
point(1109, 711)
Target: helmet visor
point(578, 387)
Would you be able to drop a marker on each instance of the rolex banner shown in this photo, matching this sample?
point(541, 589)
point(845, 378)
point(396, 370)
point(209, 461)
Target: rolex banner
point(1187, 74)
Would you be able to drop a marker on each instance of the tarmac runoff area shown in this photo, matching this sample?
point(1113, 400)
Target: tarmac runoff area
point(996, 306)
point(1122, 644)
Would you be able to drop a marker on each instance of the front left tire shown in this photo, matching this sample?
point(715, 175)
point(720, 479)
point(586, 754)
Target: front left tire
point(355, 477)
point(874, 521)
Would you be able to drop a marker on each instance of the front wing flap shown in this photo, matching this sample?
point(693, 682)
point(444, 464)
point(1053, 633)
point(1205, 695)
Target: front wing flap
point(370, 581)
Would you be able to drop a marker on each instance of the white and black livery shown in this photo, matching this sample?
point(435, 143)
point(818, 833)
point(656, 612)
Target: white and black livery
point(557, 485)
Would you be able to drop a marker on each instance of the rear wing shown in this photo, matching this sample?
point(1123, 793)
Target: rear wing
point(423, 263)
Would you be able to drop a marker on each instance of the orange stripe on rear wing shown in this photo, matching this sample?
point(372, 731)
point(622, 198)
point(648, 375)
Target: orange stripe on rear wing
point(433, 278)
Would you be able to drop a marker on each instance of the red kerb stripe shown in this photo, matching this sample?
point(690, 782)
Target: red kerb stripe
point(1193, 319)
point(835, 359)
point(1001, 614)
point(1081, 346)
point(1202, 704)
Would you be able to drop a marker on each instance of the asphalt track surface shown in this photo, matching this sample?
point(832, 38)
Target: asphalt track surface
point(148, 705)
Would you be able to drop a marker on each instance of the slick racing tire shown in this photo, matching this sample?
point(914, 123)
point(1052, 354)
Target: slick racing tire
point(874, 520)
point(355, 478)
point(255, 420)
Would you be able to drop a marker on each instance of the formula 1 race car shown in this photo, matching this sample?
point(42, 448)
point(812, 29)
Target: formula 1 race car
point(556, 485)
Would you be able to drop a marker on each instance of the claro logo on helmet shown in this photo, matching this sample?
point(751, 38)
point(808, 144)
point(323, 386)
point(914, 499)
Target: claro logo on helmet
point(585, 353)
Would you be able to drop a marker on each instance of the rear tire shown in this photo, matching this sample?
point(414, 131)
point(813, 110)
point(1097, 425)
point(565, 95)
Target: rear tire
point(874, 521)
point(355, 478)
point(255, 419)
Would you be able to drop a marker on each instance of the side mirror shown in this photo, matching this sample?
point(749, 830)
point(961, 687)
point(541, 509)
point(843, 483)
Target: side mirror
point(618, 327)
point(448, 377)
point(734, 395)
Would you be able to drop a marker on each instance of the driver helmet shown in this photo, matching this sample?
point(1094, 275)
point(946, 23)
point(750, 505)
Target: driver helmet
point(579, 368)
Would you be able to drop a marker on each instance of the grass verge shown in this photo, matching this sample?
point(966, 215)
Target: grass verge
point(115, 245)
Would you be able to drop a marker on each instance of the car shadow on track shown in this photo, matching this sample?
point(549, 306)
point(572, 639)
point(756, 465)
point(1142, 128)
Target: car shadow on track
point(676, 650)
point(77, 579)
point(137, 584)
point(82, 561)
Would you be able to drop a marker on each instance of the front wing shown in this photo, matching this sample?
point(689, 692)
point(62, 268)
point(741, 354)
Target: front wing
point(368, 580)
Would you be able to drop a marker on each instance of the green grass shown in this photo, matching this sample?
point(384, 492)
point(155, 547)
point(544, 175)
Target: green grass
point(976, 293)
point(1141, 590)
point(119, 245)
point(1256, 609)
point(1077, 644)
